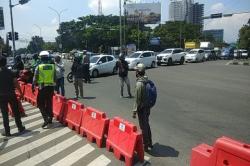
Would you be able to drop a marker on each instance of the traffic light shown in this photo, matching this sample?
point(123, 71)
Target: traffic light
point(23, 1)
point(217, 15)
point(16, 36)
point(9, 35)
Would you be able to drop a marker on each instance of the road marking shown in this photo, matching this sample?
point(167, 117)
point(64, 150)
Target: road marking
point(11, 124)
point(25, 136)
point(32, 145)
point(15, 130)
point(75, 156)
point(51, 151)
point(100, 161)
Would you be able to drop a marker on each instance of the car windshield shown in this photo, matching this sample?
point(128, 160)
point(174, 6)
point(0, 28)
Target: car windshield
point(207, 51)
point(135, 55)
point(192, 52)
point(167, 51)
point(94, 59)
point(244, 51)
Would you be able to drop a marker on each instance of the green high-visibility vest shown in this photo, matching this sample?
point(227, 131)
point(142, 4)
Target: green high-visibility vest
point(46, 74)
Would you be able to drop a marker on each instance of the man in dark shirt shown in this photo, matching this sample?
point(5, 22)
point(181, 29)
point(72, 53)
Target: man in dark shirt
point(78, 74)
point(8, 83)
point(122, 67)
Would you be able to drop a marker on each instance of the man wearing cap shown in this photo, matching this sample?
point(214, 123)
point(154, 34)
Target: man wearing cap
point(141, 107)
point(8, 83)
point(45, 78)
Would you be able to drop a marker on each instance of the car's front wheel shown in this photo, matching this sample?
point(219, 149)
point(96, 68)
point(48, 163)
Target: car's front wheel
point(182, 60)
point(153, 64)
point(170, 62)
point(95, 73)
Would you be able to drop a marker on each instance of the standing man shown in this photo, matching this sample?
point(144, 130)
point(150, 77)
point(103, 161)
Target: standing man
point(78, 74)
point(122, 67)
point(45, 77)
point(141, 106)
point(59, 76)
point(86, 62)
point(8, 83)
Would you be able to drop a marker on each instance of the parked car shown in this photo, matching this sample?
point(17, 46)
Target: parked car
point(210, 55)
point(227, 53)
point(102, 64)
point(195, 55)
point(148, 58)
point(170, 56)
point(240, 53)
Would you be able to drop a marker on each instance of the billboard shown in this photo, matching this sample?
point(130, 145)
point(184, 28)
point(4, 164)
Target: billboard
point(147, 13)
point(1, 19)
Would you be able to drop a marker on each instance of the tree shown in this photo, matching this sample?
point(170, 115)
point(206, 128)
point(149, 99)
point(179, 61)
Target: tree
point(36, 44)
point(21, 51)
point(50, 46)
point(244, 37)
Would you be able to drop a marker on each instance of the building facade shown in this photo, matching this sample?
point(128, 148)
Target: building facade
point(186, 10)
point(218, 34)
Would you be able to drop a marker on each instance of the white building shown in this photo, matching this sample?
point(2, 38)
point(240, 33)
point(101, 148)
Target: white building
point(179, 10)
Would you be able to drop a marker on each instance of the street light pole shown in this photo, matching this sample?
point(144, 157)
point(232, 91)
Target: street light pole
point(40, 29)
point(59, 21)
point(120, 6)
point(12, 28)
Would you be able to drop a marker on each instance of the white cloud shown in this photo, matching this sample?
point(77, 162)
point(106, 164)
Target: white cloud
point(108, 6)
point(54, 21)
point(231, 25)
point(22, 7)
point(217, 8)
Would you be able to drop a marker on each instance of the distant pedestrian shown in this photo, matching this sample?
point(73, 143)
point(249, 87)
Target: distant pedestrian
point(59, 76)
point(142, 107)
point(18, 65)
point(78, 75)
point(45, 77)
point(86, 62)
point(8, 96)
point(122, 67)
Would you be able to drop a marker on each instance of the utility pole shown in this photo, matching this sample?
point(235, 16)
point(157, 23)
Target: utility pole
point(120, 6)
point(12, 28)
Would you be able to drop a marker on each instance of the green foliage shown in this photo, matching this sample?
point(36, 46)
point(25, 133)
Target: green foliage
point(50, 46)
point(21, 51)
point(244, 37)
point(36, 44)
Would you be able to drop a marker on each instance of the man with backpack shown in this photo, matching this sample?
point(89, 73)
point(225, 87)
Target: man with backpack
point(145, 98)
point(122, 67)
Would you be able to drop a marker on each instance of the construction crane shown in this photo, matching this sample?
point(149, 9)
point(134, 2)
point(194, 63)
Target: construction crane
point(100, 8)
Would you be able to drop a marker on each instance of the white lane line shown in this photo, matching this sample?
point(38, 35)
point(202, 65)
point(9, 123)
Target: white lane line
point(32, 145)
point(15, 130)
point(100, 161)
point(25, 136)
point(75, 156)
point(51, 151)
point(11, 124)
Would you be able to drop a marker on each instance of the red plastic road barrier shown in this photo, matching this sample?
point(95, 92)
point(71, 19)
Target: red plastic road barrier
point(94, 125)
point(22, 86)
point(73, 115)
point(29, 96)
point(20, 108)
point(59, 103)
point(125, 140)
point(226, 152)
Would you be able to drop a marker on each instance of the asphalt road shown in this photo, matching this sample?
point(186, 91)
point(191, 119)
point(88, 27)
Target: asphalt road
point(197, 103)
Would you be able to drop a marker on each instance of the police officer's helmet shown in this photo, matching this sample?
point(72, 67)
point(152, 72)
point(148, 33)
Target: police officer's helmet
point(140, 68)
point(44, 54)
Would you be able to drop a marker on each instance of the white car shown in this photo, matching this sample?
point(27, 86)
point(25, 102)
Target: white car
point(195, 55)
point(148, 58)
point(102, 64)
point(170, 56)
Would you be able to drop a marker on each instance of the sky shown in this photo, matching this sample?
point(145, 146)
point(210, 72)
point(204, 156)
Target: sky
point(36, 15)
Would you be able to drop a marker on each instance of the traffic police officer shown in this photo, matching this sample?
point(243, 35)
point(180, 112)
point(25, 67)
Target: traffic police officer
point(45, 78)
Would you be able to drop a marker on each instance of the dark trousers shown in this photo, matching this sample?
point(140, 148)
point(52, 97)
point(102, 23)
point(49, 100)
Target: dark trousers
point(143, 116)
point(86, 73)
point(12, 100)
point(60, 86)
point(44, 102)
